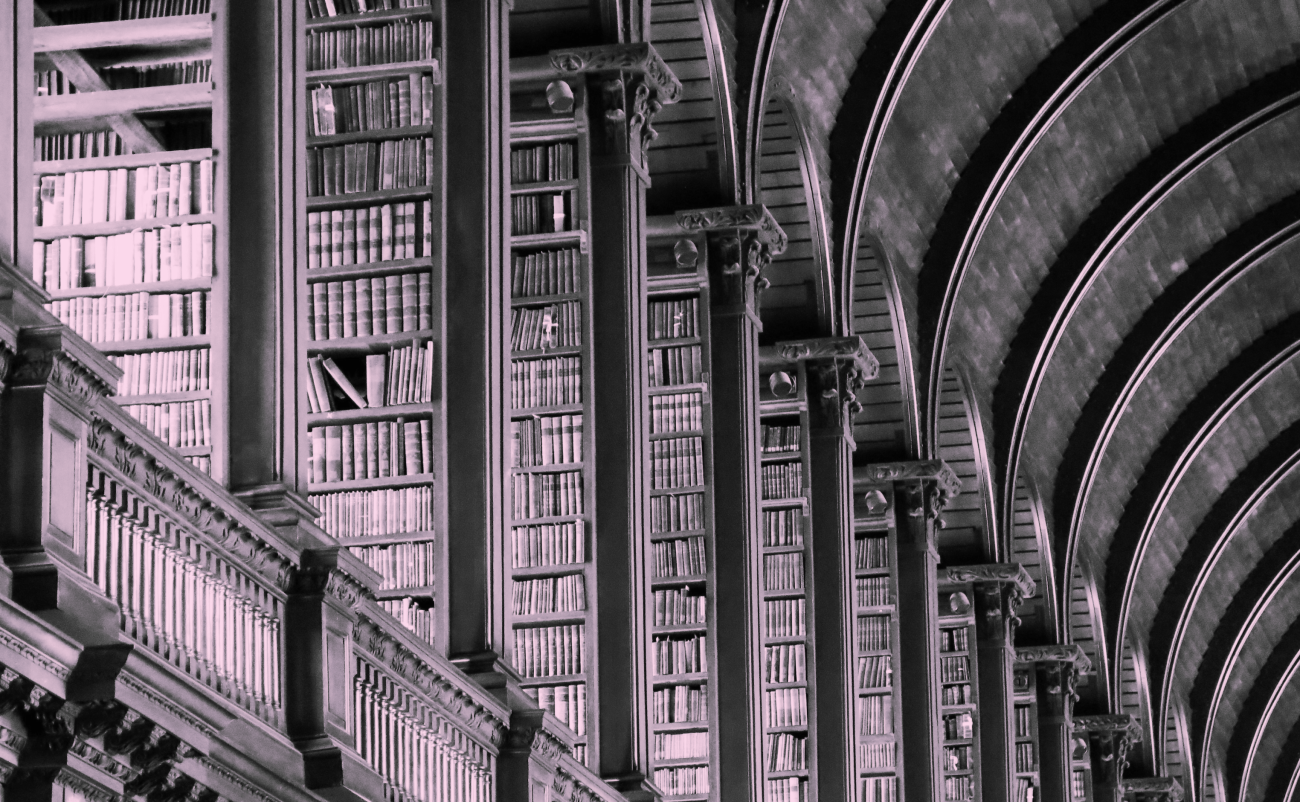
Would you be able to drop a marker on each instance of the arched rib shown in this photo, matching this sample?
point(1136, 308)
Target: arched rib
point(1164, 471)
point(1142, 348)
point(723, 107)
point(1104, 232)
point(1286, 785)
point(758, 29)
point(1281, 668)
point(1069, 68)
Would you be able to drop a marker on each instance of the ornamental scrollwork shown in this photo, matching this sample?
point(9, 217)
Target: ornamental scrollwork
point(1110, 737)
point(1153, 789)
point(639, 58)
point(1012, 574)
point(943, 481)
point(37, 364)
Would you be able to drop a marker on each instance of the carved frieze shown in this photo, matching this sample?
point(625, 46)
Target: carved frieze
point(44, 358)
point(1153, 789)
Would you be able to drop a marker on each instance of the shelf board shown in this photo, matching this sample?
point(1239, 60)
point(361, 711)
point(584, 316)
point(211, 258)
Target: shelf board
point(547, 519)
point(370, 344)
point(376, 197)
point(543, 186)
point(391, 267)
point(558, 467)
point(546, 238)
point(875, 609)
point(129, 160)
point(865, 572)
point(674, 581)
point(553, 128)
point(559, 409)
point(679, 629)
point(772, 640)
point(780, 593)
point(422, 536)
point(680, 726)
point(794, 501)
point(678, 491)
point(371, 72)
point(562, 569)
point(680, 679)
point(678, 535)
point(544, 300)
point(784, 549)
point(672, 342)
point(88, 106)
point(785, 773)
point(372, 484)
point(417, 591)
point(117, 226)
point(561, 617)
point(558, 679)
point(368, 17)
point(669, 389)
point(192, 451)
point(874, 691)
point(785, 456)
point(872, 652)
point(770, 686)
point(368, 414)
point(179, 285)
point(156, 344)
point(682, 761)
point(878, 739)
point(677, 435)
point(151, 32)
point(541, 353)
point(787, 728)
point(372, 135)
point(162, 398)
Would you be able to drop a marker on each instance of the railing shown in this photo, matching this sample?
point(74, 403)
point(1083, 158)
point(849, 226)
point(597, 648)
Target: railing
point(183, 600)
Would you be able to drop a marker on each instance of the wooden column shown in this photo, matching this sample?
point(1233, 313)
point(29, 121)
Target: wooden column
point(999, 590)
point(1057, 669)
point(266, 238)
point(741, 240)
point(1109, 739)
point(920, 491)
point(16, 69)
point(1153, 789)
point(836, 368)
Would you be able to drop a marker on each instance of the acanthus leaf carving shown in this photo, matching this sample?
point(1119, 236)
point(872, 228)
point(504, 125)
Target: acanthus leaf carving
point(942, 480)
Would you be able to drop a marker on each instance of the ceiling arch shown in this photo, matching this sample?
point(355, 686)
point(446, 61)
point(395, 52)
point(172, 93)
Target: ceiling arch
point(1255, 754)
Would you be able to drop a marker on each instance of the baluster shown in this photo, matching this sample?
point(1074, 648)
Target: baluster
point(221, 611)
point(277, 689)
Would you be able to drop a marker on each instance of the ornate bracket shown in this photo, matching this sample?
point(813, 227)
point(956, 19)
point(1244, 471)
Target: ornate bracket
point(742, 241)
point(1059, 669)
point(942, 484)
point(53, 356)
point(1002, 588)
point(1109, 739)
point(1153, 789)
point(838, 367)
point(323, 571)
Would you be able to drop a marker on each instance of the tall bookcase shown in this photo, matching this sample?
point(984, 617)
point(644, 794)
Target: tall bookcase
point(876, 661)
point(129, 203)
point(786, 628)
point(1025, 700)
point(683, 647)
point(373, 289)
point(959, 693)
point(552, 471)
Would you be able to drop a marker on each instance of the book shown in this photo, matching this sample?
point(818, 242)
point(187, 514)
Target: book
point(344, 383)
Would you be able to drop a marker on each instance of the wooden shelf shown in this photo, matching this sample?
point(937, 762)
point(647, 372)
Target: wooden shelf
point(543, 186)
point(664, 582)
point(392, 267)
point(544, 300)
point(125, 161)
point(676, 435)
point(787, 728)
point(371, 344)
point(150, 32)
point(560, 617)
point(162, 398)
point(157, 344)
point(372, 135)
point(680, 629)
point(378, 197)
point(548, 238)
point(558, 679)
point(372, 72)
point(678, 491)
point(547, 519)
point(117, 226)
point(90, 106)
point(560, 569)
point(560, 409)
point(418, 591)
point(371, 484)
point(669, 389)
point(784, 549)
point(658, 536)
point(386, 540)
point(370, 17)
point(558, 467)
point(179, 285)
point(672, 342)
point(680, 726)
point(682, 761)
point(794, 501)
point(680, 679)
point(192, 451)
point(784, 457)
point(315, 419)
point(541, 353)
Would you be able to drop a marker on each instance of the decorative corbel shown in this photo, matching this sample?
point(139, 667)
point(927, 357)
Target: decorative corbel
point(837, 368)
point(939, 485)
point(741, 242)
point(1059, 670)
point(1002, 588)
point(1153, 789)
point(1110, 737)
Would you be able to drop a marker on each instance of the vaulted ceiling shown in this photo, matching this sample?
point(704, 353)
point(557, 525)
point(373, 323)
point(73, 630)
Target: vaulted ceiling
point(1070, 231)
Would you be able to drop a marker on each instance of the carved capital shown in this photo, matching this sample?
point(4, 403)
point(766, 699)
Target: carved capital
point(939, 481)
point(1110, 737)
point(1153, 789)
point(1000, 589)
point(741, 242)
point(1011, 575)
point(837, 367)
point(638, 58)
point(322, 572)
point(48, 357)
point(633, 83)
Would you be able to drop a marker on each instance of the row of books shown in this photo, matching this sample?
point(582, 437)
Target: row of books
point(371, 450)
point(1024, 721)
point(404, 375)
point(548, 544)
point(681, 513)
point(954, 640)
point(182, 424)
point(392, 43)
point(332, 8)
point(402, 565)
point(876, 755)
point(411, 615)
point(870, 553)
point(127, 9)
point(872, 591)
point(172, 73)
point(554, 272)
point(679, 557)
point(677, 463)
point(541, 213)
point(369, 167)
point(873, 633)
point(958, 726)
point(876, 714)
point(781, 439)
point(534, 163)
point(372, 106)
point(1025, 757)
point(674, 318)
point(784, 618)
point(676, 412)
point(785, 707)
point(551, 326)
point(957, 694)
point(875, 671)
point(783, 527)
point(784, 663)
point(957, 758)
point(879, 789)
point(546, 440)
point(676, 365)
point(137, 316)
point(567, 702)
point(366, 306)
point(680, 745)
point(547, 382)
point(783, 571)
point(956, 789)
point(542, 495)
point(783, 480)
point(785, 751)
point(550, 651)
point(106, 196)
point(370, 234)
point(683, 780)
point(1079, 785)
point(372, 513)
point(79, 145)
point(1025, 790)
point(156, 372)
point(674, 655)
point(678, 704)
point(954, 669)
point(678, 607)
point(787, 789)
point(550, 594)
point(135, 257)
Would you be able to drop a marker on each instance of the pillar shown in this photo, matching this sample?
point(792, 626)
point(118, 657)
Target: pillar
point(1057, 668)
point(1109, 739)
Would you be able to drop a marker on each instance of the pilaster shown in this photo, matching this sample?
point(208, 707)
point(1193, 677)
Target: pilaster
point(836, 368)
point(16, 67)
point(1000, 588)
point(529, 761)
point(1109, 739)
point(920, 491)
point(1058, 669)
point(740, 242)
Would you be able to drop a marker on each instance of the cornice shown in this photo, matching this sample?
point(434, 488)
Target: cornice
point(1065, 653)
point(1110, 723)
point(167, 704)
point(231, 778)
point(1005, 573)
point(1167, 788)
point(852, 348)
point(639, 57)
point(754, 218)
point(933, 470)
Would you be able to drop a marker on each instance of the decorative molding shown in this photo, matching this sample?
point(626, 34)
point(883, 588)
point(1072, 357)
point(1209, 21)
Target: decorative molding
point(236, 780)
point(40, 658)
point(1065, 653)
point(1001, 573)
point(92, 791)
point(754, 218)
point(946, 483)
point(640, 58)
point(173, 709)
point(1153, 789)
point(1110, 737)
point(1118, 723)
point(575, 789)
point(41, 363)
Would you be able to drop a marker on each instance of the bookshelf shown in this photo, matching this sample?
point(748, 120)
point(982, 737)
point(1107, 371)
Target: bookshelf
point(959, 694)
point(787, 631)
point(129, 202)
point(372, 292)
point(552, 476)
point(876, 659)
point(681, 530)
point(1025, 701)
